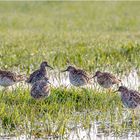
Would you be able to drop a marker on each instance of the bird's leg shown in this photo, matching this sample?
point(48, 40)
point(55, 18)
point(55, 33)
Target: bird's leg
point(109, 90)
point(133, 116)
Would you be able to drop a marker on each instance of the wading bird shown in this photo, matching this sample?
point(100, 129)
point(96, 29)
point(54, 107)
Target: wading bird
point(40, 89)
point(8, 78)
point(130, 98)
point(105, 79)
point(38, 74)
point(77, 77)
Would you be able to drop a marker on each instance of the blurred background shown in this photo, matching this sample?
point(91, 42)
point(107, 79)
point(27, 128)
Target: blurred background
point(90, 34)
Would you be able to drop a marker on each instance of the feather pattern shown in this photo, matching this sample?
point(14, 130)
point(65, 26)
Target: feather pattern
point(107, 80)
point(78, 77)
point(38, 74)
point(40, 89)
point(130, 98)
point(8, 78)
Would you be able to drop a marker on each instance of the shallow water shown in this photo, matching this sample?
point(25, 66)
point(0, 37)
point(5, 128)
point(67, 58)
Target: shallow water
point(94, 131)
point(130, 80)
point(59, 79)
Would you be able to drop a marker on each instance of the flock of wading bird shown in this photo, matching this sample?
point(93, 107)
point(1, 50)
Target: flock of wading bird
point(77, 77)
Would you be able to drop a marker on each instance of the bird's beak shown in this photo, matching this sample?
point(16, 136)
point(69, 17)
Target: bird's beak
point(49, 82)
point(64, 70)
point(50, 67)
point(115, 91)
point(93, 76)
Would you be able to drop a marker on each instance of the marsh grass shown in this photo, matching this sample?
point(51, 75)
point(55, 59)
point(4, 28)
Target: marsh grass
point(92, 35)
point(60, 113)
point(92, 39)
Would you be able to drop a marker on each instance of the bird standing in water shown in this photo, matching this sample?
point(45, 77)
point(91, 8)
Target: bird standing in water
point(77, 77)
point(39, 74)
point(8, 78)
point(130, 98)
point(106, 80)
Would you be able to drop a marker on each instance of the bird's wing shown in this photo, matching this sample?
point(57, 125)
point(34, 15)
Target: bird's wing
point(83, 73)
point(21, 78)
point(35, 90)
point(34, 74)
point(45, 89)
point(8, 74)
point(40, 88)
point(135, 96)
point(112, 78)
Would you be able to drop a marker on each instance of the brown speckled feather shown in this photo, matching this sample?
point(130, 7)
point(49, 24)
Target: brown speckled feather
point(36, 75)
point(106, 79)
point(83, 73)
point(39, 74)
point(135, 96)
point(111, 77)
point(8, 74)
point(8, 78)
point(40, 89)
point(77, 77)
point(130, 98)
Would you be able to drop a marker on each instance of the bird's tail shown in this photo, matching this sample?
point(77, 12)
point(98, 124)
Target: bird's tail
point(27, 80)
point(21, 78)
point(89, 80)
point(118, 81)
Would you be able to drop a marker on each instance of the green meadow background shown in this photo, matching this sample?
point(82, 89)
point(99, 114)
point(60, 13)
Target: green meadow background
point(91, 35)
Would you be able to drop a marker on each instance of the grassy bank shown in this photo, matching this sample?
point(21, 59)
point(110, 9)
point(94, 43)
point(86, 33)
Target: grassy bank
point(92, 35)
point(64, 111)
point(20, 113)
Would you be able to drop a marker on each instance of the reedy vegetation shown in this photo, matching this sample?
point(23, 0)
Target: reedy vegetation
point(93, 35)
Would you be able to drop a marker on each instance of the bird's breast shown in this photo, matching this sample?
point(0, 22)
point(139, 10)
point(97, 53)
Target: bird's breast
point(104, 82)
point(77, 80)
point(5, 81)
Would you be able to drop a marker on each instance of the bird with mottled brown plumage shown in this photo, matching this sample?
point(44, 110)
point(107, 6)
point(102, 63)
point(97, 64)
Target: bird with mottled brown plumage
point(8, 78)
point(106, 80)
point(39, 74)
point(40, 89)
point(130, 98)
point(77, 77)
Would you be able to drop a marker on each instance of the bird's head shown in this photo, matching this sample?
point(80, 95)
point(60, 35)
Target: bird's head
point(98, 73)
point(122, 89)
point(69, 68)
point(45, 64)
